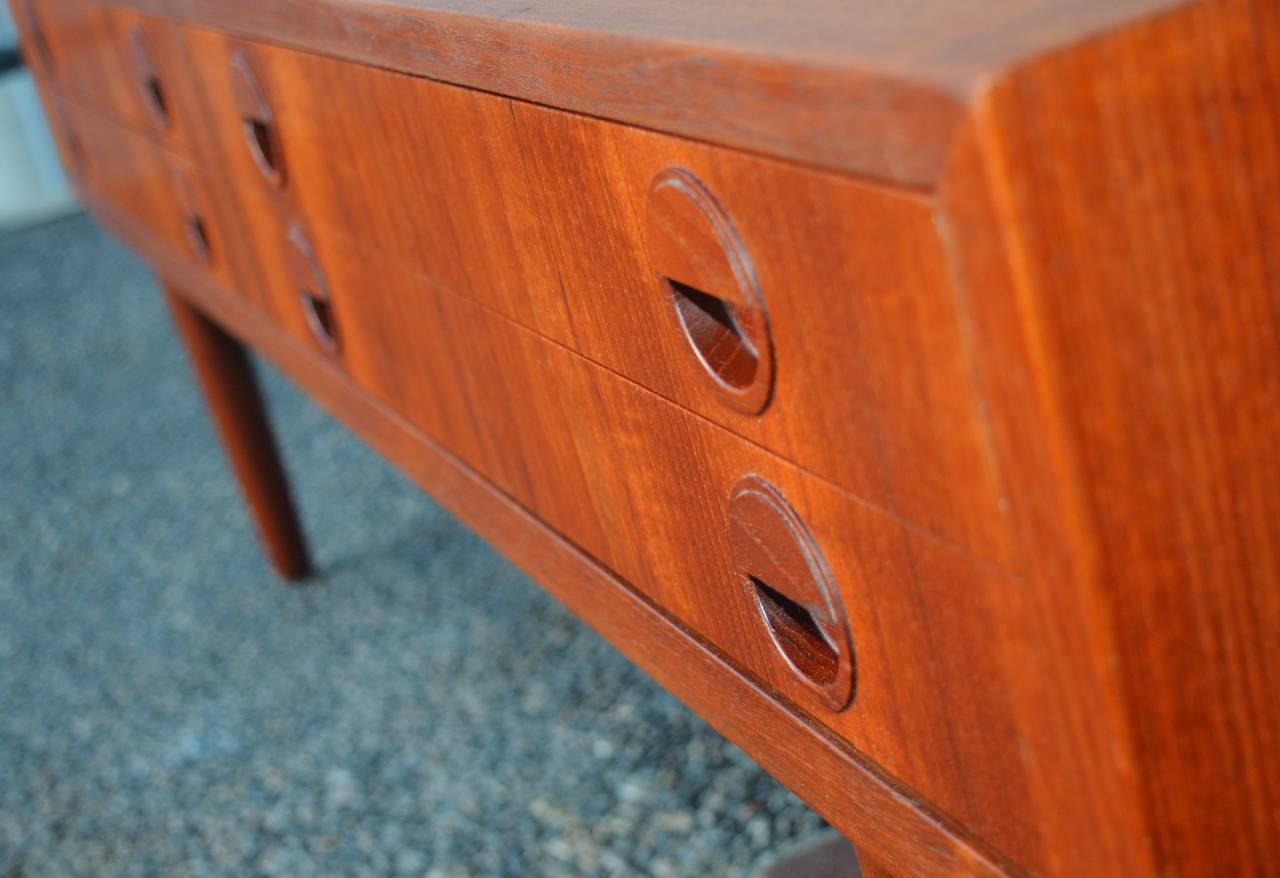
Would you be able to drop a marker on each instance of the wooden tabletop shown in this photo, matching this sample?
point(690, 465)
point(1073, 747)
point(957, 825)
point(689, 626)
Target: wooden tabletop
point(871, 87)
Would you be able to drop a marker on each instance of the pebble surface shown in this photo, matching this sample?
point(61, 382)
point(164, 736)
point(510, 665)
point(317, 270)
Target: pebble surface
point(167, 708)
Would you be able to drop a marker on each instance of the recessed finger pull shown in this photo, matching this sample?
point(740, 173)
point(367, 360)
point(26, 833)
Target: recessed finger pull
point(257, 120)
point(703, 266)
point(155, 99)
point(797, 602)
point(191, 212)
point(313, 290)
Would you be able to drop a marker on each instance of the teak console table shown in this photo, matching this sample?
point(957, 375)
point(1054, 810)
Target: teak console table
point(897, 382)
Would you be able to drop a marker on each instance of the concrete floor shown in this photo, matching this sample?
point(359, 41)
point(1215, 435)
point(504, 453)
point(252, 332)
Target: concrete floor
point(167, 708)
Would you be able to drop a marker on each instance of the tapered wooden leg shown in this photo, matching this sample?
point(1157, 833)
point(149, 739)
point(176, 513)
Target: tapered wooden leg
point(231, 388)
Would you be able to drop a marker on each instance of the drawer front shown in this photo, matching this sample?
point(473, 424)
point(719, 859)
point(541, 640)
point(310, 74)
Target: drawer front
point(115, 61)
point(243, 145)
point(507, 278)
point(645, 487)
point(401, 166)
point(576, 228)
point(74, 42)
point(847, 285)
point(166, 195)
point(157, 79)
point(283, 284)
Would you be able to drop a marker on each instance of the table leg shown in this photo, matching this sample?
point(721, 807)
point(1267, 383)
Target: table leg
point(231, 389)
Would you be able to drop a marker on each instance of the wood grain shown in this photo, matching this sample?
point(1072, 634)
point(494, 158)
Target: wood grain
point(589, 464)
point(1052, 637)
point(886, 822)
point(1135, 184)
point(185, 122)
point(142, 178)
point(265, 211)
point(1026, 420)
point(541, 216)
point(855, 285)
point(84, 58)
point(867, 87)
point(462, 215)
point(643, 486)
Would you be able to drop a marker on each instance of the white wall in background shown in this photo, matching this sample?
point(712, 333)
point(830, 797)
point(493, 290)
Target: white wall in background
point(32, 185)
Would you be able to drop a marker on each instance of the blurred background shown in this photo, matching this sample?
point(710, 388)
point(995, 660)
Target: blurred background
point(167, 707)
point(32, 186)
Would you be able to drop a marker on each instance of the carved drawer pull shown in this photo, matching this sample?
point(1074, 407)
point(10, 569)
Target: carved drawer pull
point(798, 603)
point(194, 227)
point(313, 289)
point(696, 253)
point(257, 120)
point(154, 97)
point(198, 237)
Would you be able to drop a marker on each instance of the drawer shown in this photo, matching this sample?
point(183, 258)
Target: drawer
point(557, 301)
point(646, 487)
point(166, 195)
point(240, 109)
point(485, 268)
point(397, 164)
point(74, 44)
point(562, 224)
point(703, 273)
point(157, 79)
point(116, 61)
point(243, 145)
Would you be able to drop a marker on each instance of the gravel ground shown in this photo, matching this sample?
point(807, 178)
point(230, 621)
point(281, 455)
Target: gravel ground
point(166, 708)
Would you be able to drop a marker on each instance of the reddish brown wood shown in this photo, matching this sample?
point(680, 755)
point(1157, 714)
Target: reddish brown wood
point(643, 486)
point(153, 63)
point(462, 216)
point(169, 193)
point(887, 823)
point(606, 486)
point(193, 214)
point(1021, 412)
point(542, 217)
point(783, 569)
point(257, 121)
point(854, 284)
point(1133, 359)
point(226, 375)
point(82, 54)
point(715, 295)
point(151, 89)
point(865, 86)
point(315, 299)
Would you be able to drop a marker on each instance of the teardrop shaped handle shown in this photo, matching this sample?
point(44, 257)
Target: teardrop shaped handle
point(696, 254)
point(191, 213)
point(313, 290)
point(256, 120)
point(798, 603)
point(155, 99)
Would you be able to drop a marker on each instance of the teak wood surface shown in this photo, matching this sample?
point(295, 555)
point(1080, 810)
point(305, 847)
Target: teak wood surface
point(897, 383)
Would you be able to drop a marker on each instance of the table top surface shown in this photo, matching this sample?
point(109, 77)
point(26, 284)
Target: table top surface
point(876, 88)
point(950, 44)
